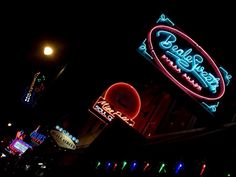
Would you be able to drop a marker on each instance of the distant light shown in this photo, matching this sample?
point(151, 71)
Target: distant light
point(27, 167)
point(108, 165)
point(48, 50)
point(3, 155)
point(162, 168)
point(203, 169)
point(133, 166)
point(179, 167)
point(115, 165)
point(98, 164)
point(146, 166)
point(43, 166)
point(124, 164)
point(9, 124)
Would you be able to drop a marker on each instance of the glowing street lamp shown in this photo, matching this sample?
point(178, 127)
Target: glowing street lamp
point(48, 51)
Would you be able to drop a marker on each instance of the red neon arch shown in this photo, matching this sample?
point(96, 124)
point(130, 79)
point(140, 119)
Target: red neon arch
point(124, 98)
point(197, 47)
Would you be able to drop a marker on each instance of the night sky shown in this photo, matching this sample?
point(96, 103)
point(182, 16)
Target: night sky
point(97, 42)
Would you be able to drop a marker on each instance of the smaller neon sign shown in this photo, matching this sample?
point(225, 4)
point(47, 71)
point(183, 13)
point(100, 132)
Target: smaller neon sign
point(19, 147)
point(20, 135)
point(36, 86)
point(30, 92)
point(37, 138)
point(62, 140)
point(109, 113)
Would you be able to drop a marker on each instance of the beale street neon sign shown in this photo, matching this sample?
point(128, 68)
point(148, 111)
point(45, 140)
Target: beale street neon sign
point(185, 63)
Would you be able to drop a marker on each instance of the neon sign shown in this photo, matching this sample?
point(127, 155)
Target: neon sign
point(121, 100)
point(20, 135)
point(185, 63)
point(36, 86)
point(37, 138)
point(18, 147)
point(104, 108)
point(124, 98)
point(63, 138)
point(74, 139)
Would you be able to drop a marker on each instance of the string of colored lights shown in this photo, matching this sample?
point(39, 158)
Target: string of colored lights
point(177, 168)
